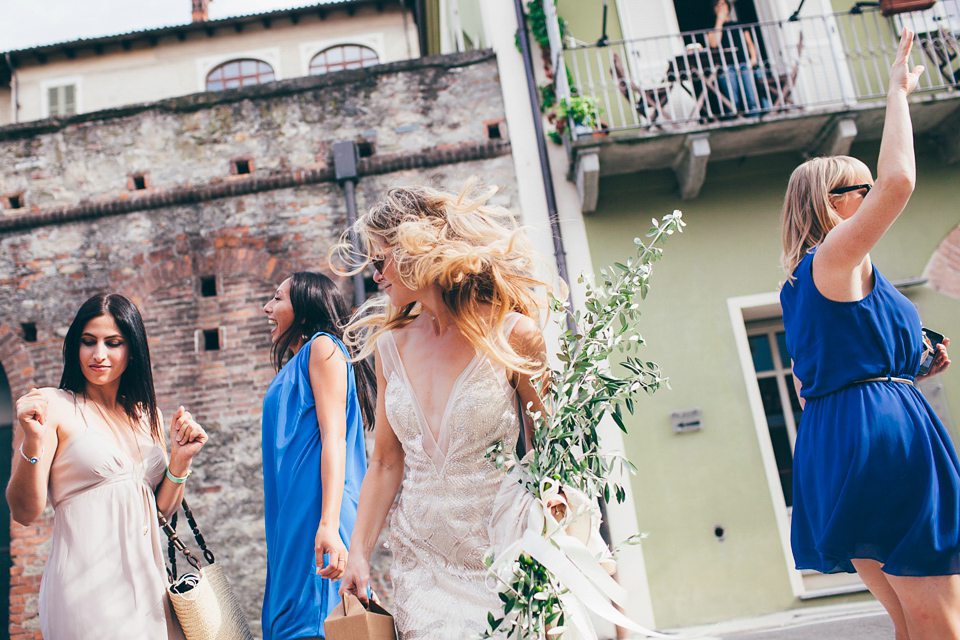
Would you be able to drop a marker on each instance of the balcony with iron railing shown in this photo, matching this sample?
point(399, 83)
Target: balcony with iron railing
point(810, 85)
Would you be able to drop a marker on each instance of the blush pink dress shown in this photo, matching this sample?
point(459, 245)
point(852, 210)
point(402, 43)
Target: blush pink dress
point(105, 575)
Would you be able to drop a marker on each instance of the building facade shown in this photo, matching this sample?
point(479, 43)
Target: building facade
point(84, 76)
point(664, 130)
point(241, 191)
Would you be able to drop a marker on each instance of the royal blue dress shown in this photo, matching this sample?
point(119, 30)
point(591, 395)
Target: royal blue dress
point(875, 474)
point(296, 599)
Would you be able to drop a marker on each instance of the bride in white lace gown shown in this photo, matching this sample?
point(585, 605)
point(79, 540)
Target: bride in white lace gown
point(456, 340)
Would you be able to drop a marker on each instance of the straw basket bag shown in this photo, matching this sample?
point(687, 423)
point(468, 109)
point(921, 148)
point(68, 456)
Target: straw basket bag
point(204, 602)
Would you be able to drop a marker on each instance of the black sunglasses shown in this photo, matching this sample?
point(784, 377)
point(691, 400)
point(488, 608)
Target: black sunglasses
point(378, 262)
point(854, 187)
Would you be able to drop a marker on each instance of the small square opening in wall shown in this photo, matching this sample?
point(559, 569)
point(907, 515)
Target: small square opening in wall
point(211, 339)
point(15, 201)
point(138, 181)
point(29, 330)
point(208, 286)
point(365, 148)
point(493, 131)
point(241, 166)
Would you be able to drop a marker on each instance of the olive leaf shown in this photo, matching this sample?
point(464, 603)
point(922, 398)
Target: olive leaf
point(576, 397)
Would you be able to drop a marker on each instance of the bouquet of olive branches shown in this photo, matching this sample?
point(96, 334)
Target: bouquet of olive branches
point(565, 453)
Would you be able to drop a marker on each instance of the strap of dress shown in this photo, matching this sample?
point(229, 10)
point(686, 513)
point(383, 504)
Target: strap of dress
point(388, 354)
point(512, 319)
point(76, 405)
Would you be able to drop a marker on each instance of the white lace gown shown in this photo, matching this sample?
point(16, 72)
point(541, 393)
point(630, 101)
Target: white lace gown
point(439, 529)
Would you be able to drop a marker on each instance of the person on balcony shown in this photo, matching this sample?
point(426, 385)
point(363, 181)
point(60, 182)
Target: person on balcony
point(876, 476)
point(740, 74)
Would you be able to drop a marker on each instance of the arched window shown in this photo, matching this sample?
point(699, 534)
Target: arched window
point(344, 56)
point(239, 73)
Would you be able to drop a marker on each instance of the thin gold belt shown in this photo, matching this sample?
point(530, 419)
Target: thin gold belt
point(886, 379)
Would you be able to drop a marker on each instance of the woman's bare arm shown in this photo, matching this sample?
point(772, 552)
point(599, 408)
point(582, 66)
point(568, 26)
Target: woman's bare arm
point(36, 435)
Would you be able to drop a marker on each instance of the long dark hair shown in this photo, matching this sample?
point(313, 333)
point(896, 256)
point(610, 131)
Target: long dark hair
point(318, 306)
point(136, 394)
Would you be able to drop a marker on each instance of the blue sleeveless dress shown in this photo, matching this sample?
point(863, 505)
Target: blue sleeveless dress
point(296, 599)
point(875, 473)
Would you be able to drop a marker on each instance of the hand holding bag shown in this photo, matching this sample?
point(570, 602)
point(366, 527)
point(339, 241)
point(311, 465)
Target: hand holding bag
point(349, 620)
point(203, 601)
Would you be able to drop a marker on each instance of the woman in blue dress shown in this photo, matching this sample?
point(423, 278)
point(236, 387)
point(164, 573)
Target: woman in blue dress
point(313, 454)
point(876, 476)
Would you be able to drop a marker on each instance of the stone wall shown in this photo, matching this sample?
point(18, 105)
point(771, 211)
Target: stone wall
point(86, 227)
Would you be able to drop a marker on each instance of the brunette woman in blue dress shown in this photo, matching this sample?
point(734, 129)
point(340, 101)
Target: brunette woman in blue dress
point(313, 454)
point(876, 476)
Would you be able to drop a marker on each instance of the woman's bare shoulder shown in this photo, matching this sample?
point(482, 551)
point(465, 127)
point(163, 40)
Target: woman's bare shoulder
point(323, 348)
point(59, 397)
point(526, 337)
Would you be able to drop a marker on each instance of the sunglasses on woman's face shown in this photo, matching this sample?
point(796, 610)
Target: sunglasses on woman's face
point(854, 187)
point(378, 262)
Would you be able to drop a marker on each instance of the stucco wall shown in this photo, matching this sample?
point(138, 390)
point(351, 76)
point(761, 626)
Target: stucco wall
point(689, 483)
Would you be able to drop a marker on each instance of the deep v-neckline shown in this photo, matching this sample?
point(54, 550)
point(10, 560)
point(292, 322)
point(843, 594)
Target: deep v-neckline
point(436, 444)
point(441, 438)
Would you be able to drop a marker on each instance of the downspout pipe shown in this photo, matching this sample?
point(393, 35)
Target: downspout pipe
point(551, 196)
point(345, 159)
point(15, 85)
point(545, 173)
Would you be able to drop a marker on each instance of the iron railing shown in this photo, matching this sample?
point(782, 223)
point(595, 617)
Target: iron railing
point(763, 70)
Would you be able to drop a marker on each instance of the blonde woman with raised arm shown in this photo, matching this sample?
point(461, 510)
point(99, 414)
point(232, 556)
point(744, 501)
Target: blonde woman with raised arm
point(456, 339)
point(876, 476)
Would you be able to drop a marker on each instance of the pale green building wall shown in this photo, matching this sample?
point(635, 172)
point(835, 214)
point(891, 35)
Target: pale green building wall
point(689, 483)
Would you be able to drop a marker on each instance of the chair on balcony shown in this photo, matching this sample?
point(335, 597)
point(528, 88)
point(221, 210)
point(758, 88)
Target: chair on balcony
point(942, 48)
point(649, 103)
point(780, 86)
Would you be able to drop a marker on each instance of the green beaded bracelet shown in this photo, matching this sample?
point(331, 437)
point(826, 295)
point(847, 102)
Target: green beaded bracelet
point(177, 480)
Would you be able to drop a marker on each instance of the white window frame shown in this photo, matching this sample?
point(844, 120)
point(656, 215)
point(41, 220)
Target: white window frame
point(766, 306)
point(207, 64)
point(308, 50)
point(63, 81)
point(744, 309)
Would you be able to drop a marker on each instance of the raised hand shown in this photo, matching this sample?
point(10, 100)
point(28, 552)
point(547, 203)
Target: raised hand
point(32, 415)
point(187, 437)
point(901, 77)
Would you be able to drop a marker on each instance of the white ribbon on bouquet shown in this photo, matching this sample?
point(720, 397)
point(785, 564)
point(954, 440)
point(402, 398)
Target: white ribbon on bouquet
point(570, 548)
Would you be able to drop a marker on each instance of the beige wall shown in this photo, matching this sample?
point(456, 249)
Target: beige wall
point(174, 68)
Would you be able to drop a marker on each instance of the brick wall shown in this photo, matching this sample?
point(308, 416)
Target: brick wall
point(83, 232)
point(943, 269)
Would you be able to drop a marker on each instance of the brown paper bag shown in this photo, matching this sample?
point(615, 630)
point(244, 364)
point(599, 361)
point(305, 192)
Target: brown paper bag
point(351, 621)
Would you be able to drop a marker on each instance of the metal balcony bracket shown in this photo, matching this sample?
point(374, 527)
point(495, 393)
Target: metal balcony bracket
point(587, 178)
point(836, 138)
point(691, 164)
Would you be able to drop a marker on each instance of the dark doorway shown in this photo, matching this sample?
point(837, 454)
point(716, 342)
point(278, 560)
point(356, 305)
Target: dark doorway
point(693, 15)
point(697, 15)
point(6, 447)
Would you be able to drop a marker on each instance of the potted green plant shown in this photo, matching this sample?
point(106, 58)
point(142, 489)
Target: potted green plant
point(582, 110)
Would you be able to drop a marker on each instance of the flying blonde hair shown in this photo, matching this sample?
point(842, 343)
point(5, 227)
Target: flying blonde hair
point(476, 253)
point(807, 214)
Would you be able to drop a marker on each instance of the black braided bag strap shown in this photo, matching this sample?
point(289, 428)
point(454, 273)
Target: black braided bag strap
point(176, 544)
